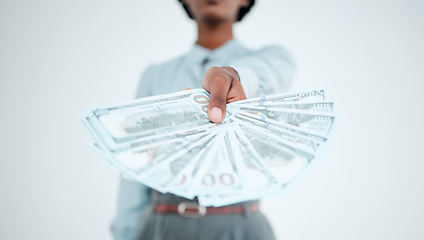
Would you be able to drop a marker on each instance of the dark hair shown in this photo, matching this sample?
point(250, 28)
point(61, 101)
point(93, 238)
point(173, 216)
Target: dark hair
point(242, 12)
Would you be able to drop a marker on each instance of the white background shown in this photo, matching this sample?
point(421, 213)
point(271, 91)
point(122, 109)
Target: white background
point(58, 58)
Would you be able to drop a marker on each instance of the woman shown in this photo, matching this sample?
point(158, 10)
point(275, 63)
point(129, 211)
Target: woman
point(230, 72)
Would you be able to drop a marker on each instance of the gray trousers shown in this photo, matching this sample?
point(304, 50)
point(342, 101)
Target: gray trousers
point(172, 226)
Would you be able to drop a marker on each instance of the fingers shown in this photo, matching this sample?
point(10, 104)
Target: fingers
point(217, 81)
point(224, 86)
point(236, 92)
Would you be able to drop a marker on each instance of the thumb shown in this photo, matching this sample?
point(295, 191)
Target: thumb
point(219, 88)
point(217, 81)
point(217, 107)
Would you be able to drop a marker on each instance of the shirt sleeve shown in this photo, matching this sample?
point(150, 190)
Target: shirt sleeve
point(265, 71)
point(133, 196)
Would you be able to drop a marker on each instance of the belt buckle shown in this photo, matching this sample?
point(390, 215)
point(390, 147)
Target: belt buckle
point(191, 209)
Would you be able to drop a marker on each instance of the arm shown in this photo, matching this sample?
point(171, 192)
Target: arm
point(266, 71)
point(133, 196)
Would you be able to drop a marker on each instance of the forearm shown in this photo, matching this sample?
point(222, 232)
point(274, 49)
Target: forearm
point(266, 71)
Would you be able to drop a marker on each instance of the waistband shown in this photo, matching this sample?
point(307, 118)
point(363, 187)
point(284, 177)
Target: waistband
point(158, 197)
point(192, 209)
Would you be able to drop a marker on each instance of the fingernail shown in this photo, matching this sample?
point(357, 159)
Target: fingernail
point(216, 115)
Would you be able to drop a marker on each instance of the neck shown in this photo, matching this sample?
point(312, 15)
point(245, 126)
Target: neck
point(213, 36)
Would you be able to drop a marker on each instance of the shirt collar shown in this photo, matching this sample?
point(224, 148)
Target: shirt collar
point(198, 53)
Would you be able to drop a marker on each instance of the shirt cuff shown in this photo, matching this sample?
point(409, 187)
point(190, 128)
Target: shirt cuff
point(248, 80)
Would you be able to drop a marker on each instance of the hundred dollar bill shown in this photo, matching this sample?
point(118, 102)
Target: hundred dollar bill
point(141, 164)
point(208, 163)
point(254, 174)
point(143, 143)
point(161, 176)
point(141, 158)
point(298, 141)
point(322, 106)
point(183, 180)
point(282, 159)
point(253, 119)
point(182, 183)
point(263, 189)
point(308, 96)
point(120, 125)
point(168, 143)
point(314, 122)
point(256, 179)
point(135, 162)
point(221, 174)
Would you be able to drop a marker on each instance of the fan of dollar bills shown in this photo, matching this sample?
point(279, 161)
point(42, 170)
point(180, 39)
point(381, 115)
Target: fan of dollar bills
point(168, 143)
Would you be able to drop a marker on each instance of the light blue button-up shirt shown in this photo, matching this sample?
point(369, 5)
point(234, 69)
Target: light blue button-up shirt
point(262, 72)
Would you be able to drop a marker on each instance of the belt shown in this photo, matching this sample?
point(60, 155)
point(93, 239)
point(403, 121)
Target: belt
point(193, 209)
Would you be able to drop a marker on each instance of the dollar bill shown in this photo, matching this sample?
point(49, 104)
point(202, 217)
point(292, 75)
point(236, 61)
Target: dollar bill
point(253, 119)
point(256, 179)
point(254, 174)
point(119, 125)
point(299, 141)
point(307, 96)
point(161, 175)
point(221, 174)
point(186, 180)
point(321, 106)
point(282, 159)
point(142, 164)
point(168, 143)
point(311, 121)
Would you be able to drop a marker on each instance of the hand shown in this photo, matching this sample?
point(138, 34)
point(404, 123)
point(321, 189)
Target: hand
point(224, 85)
